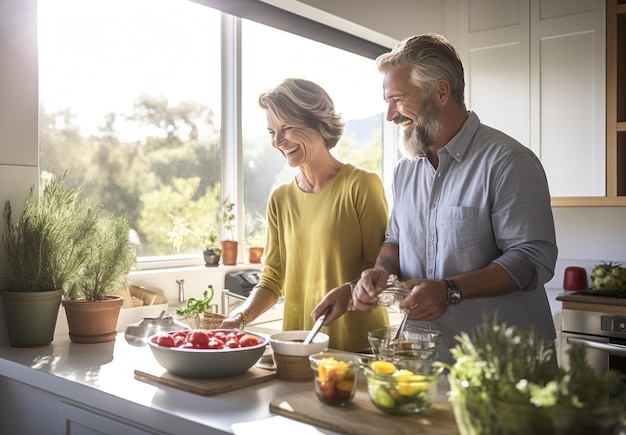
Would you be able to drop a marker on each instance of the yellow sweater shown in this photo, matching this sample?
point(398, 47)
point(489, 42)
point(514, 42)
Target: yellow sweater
point(319, 241)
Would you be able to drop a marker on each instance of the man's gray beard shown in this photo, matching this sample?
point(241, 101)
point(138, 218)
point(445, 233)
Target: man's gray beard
point(423, 134)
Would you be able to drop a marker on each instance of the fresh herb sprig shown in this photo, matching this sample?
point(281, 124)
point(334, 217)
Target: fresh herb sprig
point(196, 305)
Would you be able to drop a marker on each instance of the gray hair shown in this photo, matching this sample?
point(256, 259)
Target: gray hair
point(432, 58)
point(302, 103)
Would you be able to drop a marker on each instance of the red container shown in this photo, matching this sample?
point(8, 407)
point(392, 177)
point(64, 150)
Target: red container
point(575, 278)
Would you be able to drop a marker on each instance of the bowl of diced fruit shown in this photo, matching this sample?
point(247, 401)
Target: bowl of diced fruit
point(335, 377)
point(395, 389)
point(212, 353)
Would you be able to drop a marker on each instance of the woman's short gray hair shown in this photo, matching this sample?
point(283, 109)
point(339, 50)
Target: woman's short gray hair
point(302, 103)
point(432, 58)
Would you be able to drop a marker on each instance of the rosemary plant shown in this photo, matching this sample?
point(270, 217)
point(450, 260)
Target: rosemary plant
point(50, 242)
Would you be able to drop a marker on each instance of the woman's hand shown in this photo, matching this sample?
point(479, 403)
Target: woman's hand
point(235, 321)
point(339, 299)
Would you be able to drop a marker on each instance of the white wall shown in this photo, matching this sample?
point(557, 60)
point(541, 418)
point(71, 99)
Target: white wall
point(585, 235)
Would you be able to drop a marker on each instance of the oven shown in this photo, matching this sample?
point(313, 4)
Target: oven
point(602, 333)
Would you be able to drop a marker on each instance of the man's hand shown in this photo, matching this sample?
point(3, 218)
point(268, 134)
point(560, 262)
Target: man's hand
point(427, 301)
point(365, 295)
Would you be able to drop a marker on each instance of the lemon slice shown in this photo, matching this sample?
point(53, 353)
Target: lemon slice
point(383, 367)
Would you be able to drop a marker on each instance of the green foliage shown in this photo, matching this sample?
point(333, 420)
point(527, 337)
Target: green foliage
point(172, 167)
point(506, 380)
point(109, 261)
point(181, 232)
point(197, 306)
point(178, 200)
point(50, 242)
point(228, 217)
point(256, 230)
point(368, 156)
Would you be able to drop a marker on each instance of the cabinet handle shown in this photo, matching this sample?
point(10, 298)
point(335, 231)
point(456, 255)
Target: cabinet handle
point(613, 349)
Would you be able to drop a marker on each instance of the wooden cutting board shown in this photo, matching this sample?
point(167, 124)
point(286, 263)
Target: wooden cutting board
point(361, 417)
point(207, 387)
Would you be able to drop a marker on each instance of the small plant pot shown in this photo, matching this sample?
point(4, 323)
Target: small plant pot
point(255, 254)
point(211, 259)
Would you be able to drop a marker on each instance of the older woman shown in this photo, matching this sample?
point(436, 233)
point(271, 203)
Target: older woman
point(324, 227)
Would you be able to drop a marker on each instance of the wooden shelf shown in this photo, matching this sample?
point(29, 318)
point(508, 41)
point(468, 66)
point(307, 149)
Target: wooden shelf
point(589, 201)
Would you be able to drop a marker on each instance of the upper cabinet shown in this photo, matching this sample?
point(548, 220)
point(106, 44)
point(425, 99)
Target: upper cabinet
point(540, 70)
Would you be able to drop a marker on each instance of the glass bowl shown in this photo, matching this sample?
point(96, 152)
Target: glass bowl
point(397, 390)
point(335, 377)
point(477, 414)
point(415, 343)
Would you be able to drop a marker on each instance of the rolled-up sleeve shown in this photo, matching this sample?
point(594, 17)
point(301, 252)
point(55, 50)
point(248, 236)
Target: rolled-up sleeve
point(523, 223)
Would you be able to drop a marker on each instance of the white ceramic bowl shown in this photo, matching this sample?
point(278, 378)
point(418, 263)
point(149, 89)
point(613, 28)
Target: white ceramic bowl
point(207, 363)
point(291, 343)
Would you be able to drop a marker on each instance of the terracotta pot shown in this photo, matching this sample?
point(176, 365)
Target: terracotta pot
point(31, 317)
point(93, 321)
point(229, 252)
point(255, 254)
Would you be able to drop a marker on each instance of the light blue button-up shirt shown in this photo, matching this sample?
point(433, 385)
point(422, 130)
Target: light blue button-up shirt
point(488, 201)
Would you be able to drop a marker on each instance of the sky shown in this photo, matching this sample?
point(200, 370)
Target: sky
point(150, 47)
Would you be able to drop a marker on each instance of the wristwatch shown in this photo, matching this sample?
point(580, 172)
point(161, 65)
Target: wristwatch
point(454, 295)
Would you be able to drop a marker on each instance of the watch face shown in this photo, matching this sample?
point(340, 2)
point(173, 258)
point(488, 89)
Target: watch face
point(454, 297)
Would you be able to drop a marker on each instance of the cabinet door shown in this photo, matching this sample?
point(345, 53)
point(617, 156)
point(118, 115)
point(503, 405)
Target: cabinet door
point(568, 95)
point(535, 69)
point(74, 420)
point(496, 58)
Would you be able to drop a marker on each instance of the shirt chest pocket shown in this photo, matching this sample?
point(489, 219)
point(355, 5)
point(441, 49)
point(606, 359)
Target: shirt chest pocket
point(458, 227)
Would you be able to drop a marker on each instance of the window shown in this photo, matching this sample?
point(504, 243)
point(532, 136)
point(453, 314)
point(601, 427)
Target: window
point(130, 109)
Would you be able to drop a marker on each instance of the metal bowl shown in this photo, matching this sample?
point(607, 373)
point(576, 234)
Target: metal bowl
point(138, 333)
point(208, 363)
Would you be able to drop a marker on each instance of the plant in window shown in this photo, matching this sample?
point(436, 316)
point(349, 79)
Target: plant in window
point(228, 217)
point(208, 237)
point(229, 246)
point(256, 239)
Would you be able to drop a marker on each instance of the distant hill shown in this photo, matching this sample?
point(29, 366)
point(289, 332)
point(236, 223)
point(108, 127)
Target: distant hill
point(363, 129)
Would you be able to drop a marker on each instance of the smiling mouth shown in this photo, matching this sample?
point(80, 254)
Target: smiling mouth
point(403, 122)
point(290, 150)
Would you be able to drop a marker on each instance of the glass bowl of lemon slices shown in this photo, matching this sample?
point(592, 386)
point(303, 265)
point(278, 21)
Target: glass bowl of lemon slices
point(397, 389)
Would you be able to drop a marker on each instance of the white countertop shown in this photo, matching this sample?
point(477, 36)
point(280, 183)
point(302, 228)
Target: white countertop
point(101, 376)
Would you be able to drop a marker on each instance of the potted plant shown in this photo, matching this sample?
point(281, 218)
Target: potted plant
point(208, 237)
point(211, 244)
point(199, 312)
point(45, 248)
point(256, 239)
point(92, 311)
point(229, 246)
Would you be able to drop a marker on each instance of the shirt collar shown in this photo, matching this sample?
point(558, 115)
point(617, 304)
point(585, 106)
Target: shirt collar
point(458, 145)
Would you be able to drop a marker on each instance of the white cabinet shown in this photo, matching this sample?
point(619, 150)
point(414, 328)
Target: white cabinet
point(75, 420)
point(536, 70)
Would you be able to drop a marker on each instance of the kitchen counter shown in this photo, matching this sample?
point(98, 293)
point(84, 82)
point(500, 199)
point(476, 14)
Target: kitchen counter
point(101, 377)
point(99, 380)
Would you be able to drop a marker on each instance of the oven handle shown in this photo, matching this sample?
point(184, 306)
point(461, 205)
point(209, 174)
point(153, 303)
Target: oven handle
point(613, 349)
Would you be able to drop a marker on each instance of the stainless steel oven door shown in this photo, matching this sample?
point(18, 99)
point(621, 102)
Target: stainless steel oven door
point(602, 353)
